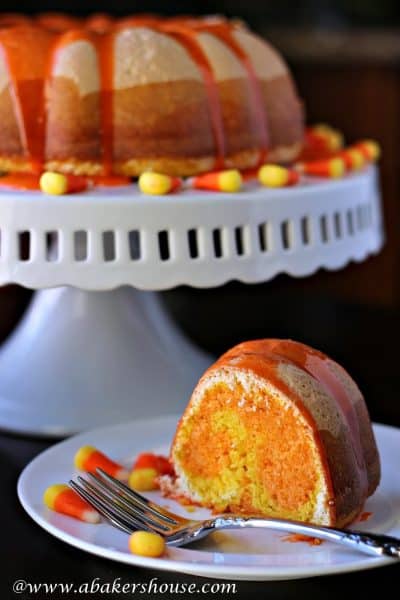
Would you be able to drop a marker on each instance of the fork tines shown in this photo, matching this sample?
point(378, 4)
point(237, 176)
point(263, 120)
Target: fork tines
point(123, 507)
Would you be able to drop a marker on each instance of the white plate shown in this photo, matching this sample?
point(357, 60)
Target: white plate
point(248, 555)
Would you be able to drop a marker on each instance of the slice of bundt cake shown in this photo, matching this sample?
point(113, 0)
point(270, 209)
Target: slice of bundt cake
point(279, 429)
point(181, 96)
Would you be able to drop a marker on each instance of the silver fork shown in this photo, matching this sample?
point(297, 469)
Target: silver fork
point(129, 511)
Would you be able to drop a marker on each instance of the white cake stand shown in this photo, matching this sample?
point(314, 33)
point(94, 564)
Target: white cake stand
point(82, 359)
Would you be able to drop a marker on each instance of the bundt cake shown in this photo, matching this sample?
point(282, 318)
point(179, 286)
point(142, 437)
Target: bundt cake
point(181, 96)
point(278, 429)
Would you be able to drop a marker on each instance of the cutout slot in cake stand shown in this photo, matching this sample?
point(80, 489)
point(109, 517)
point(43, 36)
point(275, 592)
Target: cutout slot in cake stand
point(99, 348)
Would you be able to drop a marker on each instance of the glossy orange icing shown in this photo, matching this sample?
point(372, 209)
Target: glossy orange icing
point(12, 20)
point(105, 45)
point(20, 181)
point(109, 180)
point(315, 364)
point(299, 537)
point(364, 516)
point(26, 44)
point(187, 37)
point(223, 31)
point(26, 49)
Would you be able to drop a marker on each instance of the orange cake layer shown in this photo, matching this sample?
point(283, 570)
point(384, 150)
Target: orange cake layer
point(101, 96)
point(278, 429)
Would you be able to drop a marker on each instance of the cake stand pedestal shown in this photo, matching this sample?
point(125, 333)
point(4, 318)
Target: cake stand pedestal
point(81, 358)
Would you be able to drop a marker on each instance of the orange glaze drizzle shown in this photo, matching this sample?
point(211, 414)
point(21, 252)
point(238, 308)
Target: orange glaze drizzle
point(105, 45)
point(363, 517)
point(13, 19)
point(20, 181)
point(299, 537)
point(315, 364)
point(187, 37)
point(108, 180)
point(58, 22)
point(100, 30)
point(25, 49)
point(223, 31)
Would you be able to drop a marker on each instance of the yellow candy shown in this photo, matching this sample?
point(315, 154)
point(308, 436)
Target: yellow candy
point(145, 543)
point(373, 148)
point(273, 176)
point(230, 181)
point(55, 184)
point(157, 184)
point(143, 480)
point(333, 136)
point(337, 168)
point(82, 455)
point(335, 140)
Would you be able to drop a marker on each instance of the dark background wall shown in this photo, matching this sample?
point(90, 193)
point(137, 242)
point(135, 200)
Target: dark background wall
point(286, 12)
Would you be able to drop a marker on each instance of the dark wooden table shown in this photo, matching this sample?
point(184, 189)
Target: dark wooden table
point(364, 339)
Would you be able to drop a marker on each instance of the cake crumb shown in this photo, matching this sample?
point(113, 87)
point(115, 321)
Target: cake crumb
point(299, 537)
point(364, 516)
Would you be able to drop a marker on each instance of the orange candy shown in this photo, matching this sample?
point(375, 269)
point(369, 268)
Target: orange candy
point(158, 184)
point(332, 168)
point(148, 460)
point(331, 138)
point(320, 142)
point(57, 184)
point(369, 149)
point(62, 499)
point(219, 181)
point(353, 158)
point(277, 176)
point(89, 459)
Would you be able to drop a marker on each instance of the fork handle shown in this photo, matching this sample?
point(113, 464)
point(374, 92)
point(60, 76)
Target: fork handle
point(369, 543)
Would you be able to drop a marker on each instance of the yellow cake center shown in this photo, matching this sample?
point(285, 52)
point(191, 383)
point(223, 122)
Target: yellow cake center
point(250, 451)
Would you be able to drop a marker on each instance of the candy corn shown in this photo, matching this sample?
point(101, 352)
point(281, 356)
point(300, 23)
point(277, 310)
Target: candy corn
point(143, 479)
point(320, 142)
point(353, 158)
point(369, 149)
point(146, 543)
point(57, 184)
point(89, 459)
point(218, 181)
point(277, 176)
point(157, 184)
point(332, 168)
point(62, 499)
point(332, 138)
point(153, 461)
